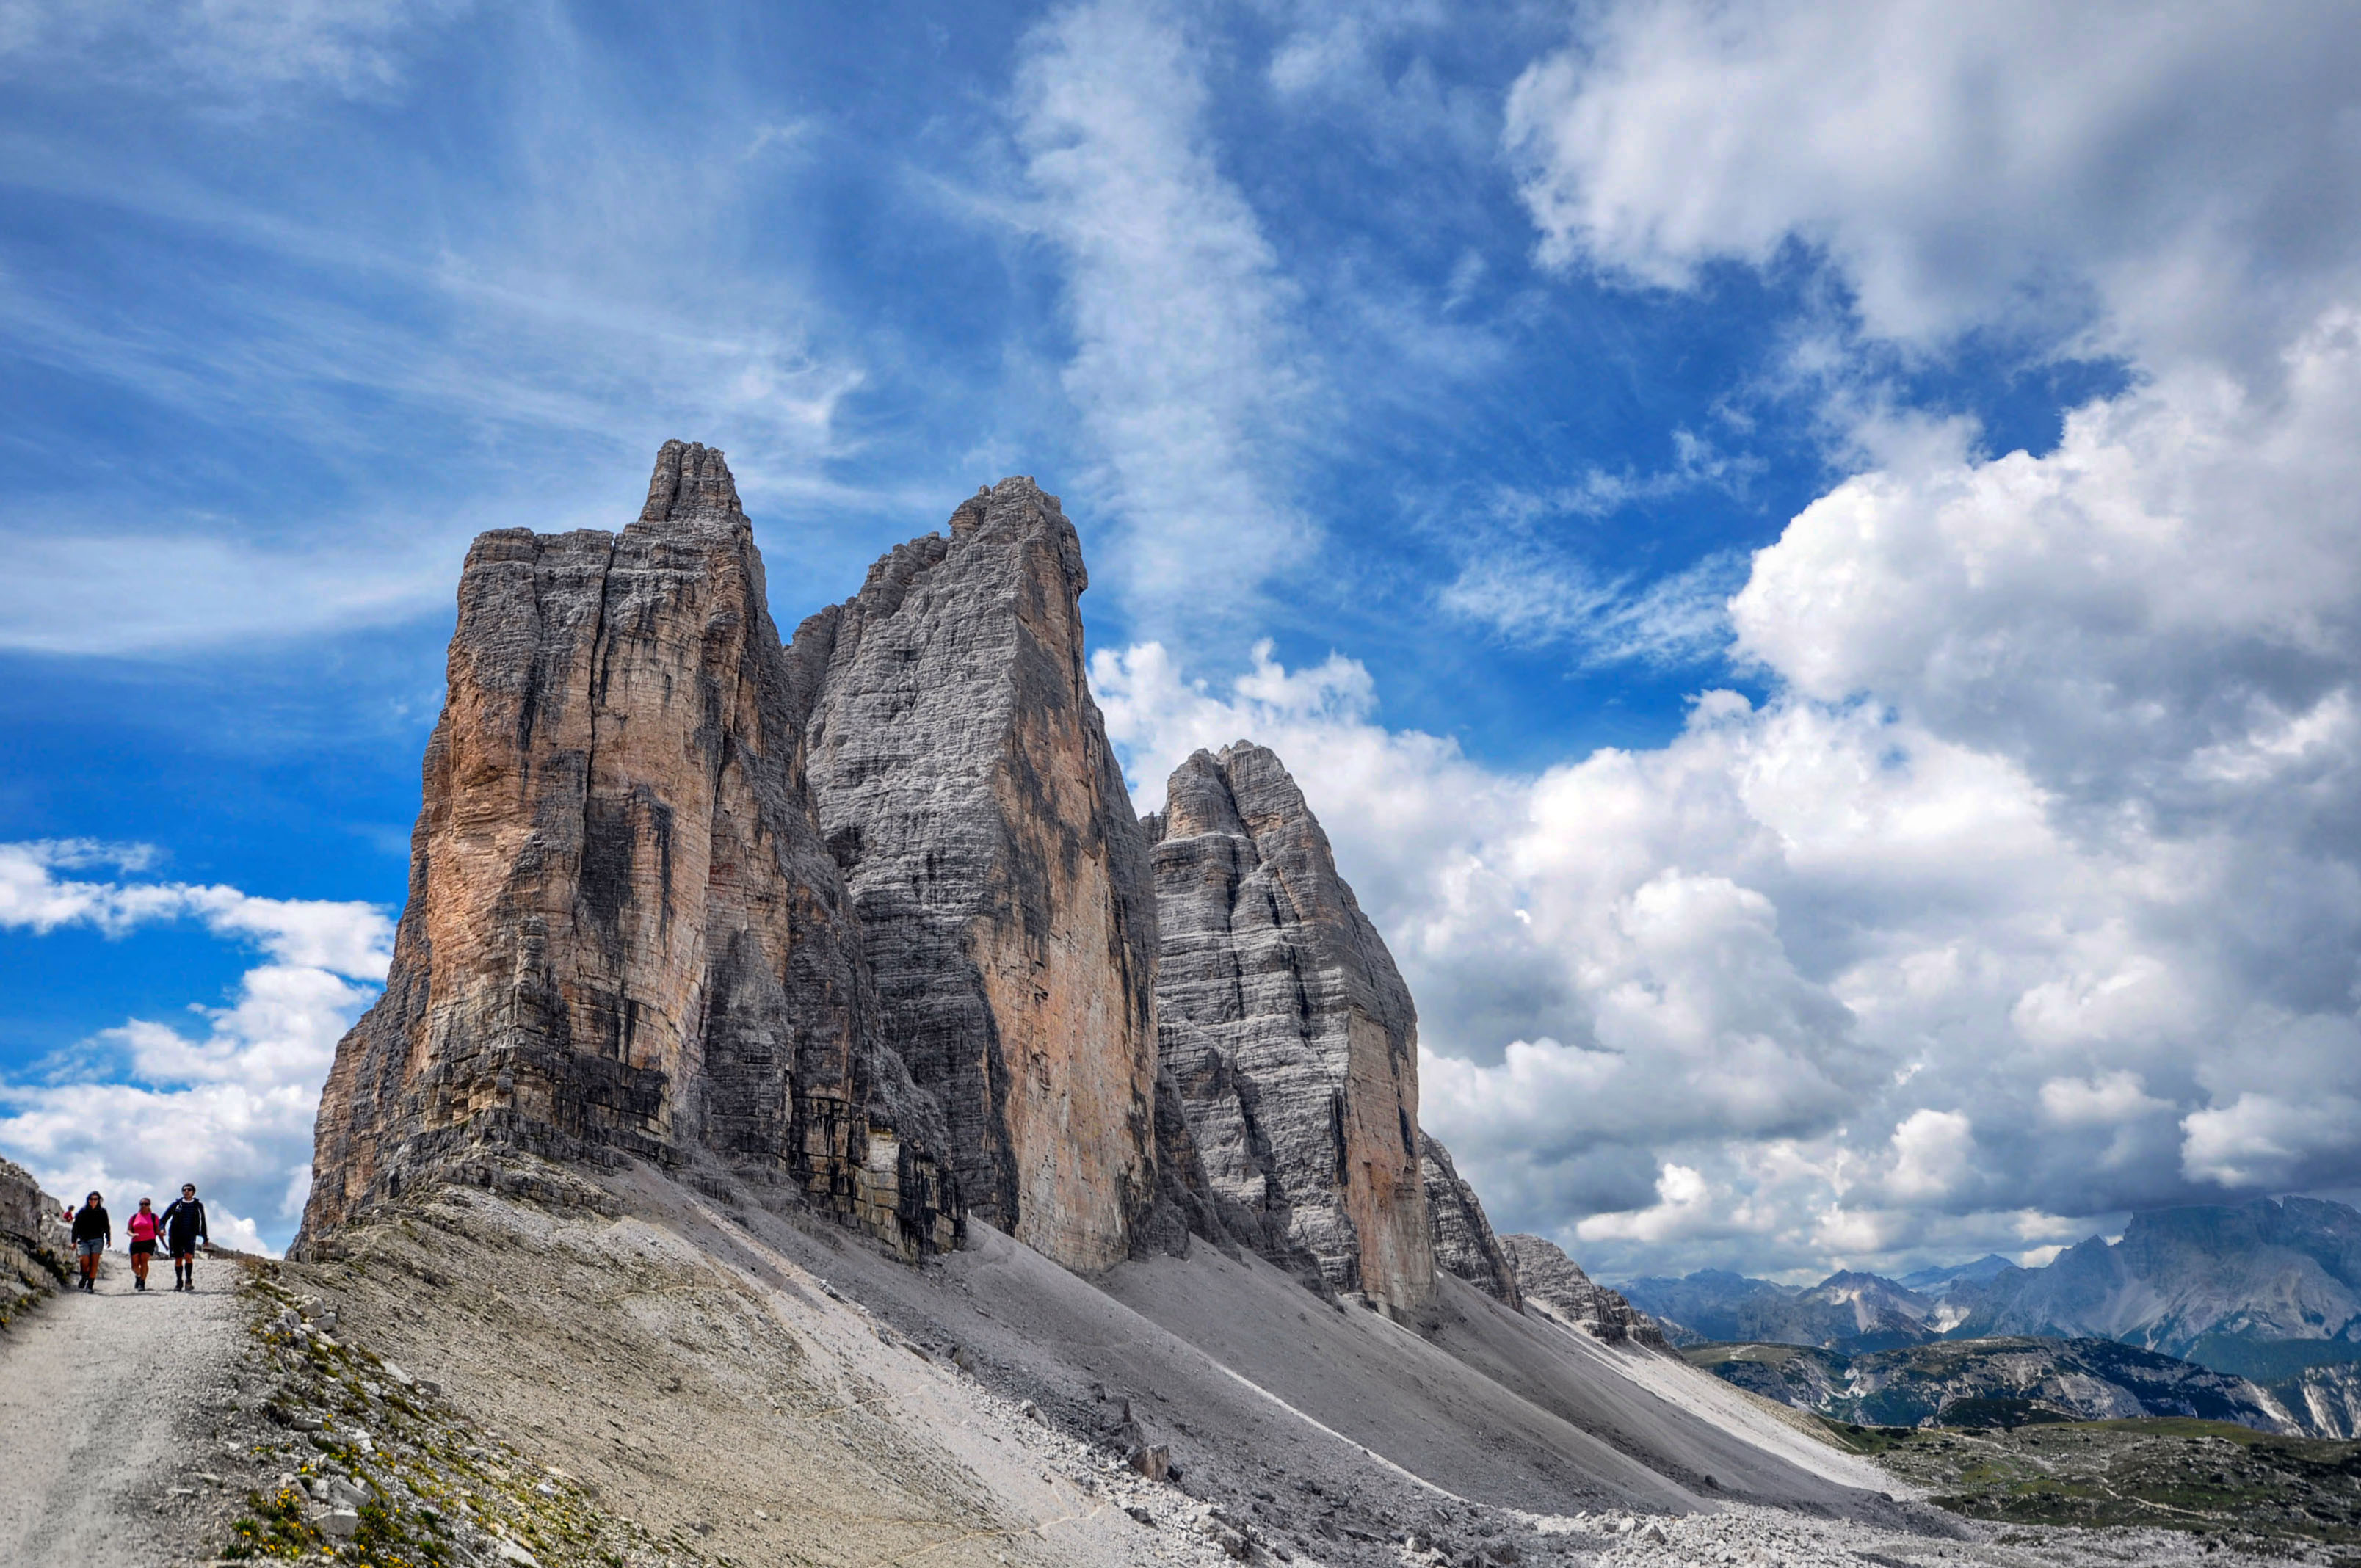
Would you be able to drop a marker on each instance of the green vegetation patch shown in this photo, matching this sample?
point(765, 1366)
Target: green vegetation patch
point(2207, 1477)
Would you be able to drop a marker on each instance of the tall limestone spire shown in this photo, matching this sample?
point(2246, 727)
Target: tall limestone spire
point(964, 782)
point(1289, 1033)
point(623, 930)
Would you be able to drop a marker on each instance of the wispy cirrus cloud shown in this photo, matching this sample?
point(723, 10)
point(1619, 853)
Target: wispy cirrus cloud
point(354, 46)
point(1527, 570)
point(1530, 595)
point(1191, 374)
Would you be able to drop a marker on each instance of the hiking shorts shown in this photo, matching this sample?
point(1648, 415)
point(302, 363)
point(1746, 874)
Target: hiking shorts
point(184, 1254)
point(89, 1249)
point(143, 1249)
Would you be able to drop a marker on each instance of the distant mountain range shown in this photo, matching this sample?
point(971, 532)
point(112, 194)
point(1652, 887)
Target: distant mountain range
point(1850, 1311)
point(1997, 1382)
point(1939, 1282)
point(2259, 1291)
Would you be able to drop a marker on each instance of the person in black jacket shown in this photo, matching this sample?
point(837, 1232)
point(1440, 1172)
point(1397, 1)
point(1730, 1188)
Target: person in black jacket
point(184, 1227)
point(94, 1233)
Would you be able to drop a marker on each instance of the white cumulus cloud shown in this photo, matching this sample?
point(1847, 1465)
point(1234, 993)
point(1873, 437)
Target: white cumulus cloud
point(225, 1098)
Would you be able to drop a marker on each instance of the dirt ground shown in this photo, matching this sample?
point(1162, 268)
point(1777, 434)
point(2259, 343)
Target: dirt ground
point(649, 1374)
point(697, 1382)
point(116, 1411)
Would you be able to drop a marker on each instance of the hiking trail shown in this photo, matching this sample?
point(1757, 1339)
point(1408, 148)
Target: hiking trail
point(111, 1407)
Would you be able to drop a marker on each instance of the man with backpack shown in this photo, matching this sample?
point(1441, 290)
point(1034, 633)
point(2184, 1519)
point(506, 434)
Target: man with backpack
point(184, 1226)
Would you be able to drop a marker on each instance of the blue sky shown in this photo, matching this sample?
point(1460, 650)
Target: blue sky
point(1618, 455)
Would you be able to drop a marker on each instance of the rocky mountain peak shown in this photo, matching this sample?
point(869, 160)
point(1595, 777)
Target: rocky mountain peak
point(1555, 1285)
point(964, 783)
point(1288, 1033)
point(691, 483)
point(624, 932)
point(1463, 1242)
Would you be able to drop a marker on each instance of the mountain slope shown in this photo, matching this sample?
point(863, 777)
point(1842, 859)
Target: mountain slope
point(695, 1353)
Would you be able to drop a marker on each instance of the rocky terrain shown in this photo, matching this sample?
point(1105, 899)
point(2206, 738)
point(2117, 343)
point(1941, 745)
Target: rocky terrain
point(1463, 1242)
point(2139, 1491)
point(1555, 1285)
point(575, 1367)
point(2325, 1400)
point(964, 780)
point(1994, 1382)
point(34, 1248)
point(1289, 1033)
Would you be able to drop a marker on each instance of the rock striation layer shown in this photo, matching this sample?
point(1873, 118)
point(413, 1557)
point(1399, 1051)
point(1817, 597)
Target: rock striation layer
point(1464, 1242)
point(1288, 1033)
point(1555, 1285)
point(624, 931)
point(965, 785)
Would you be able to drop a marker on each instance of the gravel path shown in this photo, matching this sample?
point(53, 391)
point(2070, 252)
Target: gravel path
point(108, 1405)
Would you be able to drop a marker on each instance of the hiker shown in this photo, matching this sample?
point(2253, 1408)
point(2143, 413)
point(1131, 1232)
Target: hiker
point(142, 1226)
point(184, 1227)
point(94, 1233)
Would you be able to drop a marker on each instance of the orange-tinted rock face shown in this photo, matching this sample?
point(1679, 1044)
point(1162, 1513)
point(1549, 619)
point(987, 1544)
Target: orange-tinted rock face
point(1289, 1033)
point(964, 782)
point(624, 931)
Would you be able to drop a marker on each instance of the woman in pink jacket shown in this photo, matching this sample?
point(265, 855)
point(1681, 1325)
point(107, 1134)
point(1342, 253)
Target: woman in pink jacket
point(142, 1242)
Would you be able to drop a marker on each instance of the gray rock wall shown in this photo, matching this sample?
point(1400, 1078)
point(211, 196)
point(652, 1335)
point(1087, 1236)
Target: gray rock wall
point(33, 1243)
point(964, 783)
point(1464, 1242)
point(1289, 1033)
point(1554, 1283)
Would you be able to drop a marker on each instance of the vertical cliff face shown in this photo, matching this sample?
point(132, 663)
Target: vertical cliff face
point(1288, 1032)
point(623, 929)
point(964, 783)
point(1555, 1283)
point(1464, 1242)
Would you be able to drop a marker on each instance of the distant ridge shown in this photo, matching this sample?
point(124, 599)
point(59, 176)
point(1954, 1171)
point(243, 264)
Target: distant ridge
point(2259, 1291)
